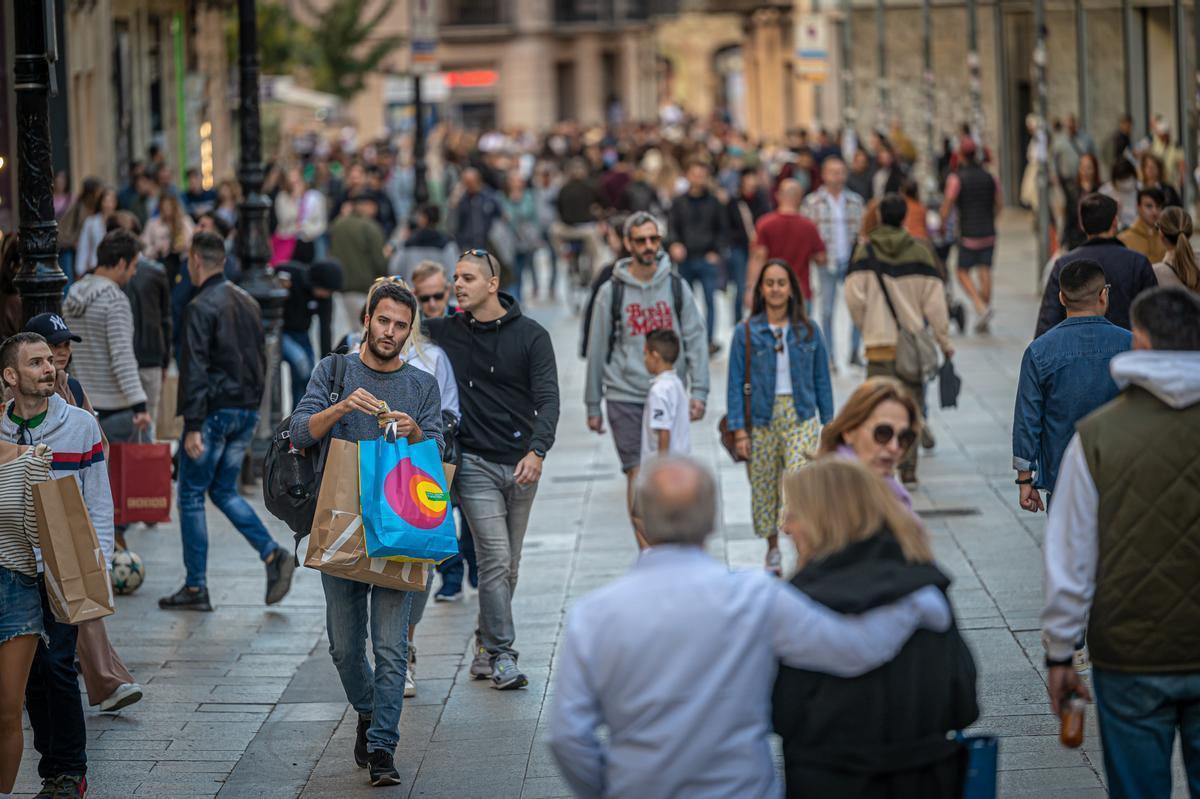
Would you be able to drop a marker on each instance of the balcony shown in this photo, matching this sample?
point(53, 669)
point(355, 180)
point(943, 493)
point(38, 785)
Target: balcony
point(474, 13)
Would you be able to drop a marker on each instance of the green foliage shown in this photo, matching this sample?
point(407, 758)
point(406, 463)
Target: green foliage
point(282, 43)
point(343, 48)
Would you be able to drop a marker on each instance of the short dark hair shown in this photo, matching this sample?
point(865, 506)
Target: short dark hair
point(11, 347)
point(223, 228)
point(1154, 193)
point(892, 209)
point(117, 246)
point(391, 291)
point(665, 342)
point(1170, 315)
point(1096, 213)
point(1081, 281)
point(209, 248)
point(1123, 170)
point(431, 212)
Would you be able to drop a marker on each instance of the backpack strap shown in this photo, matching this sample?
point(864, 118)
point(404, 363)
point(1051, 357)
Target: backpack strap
point(76, 391)
point(677, 296)
point(617, 300)
point(337, 385)
point(746, 379)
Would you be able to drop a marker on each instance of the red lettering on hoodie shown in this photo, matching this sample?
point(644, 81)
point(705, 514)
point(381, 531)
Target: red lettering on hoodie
point(641, 320)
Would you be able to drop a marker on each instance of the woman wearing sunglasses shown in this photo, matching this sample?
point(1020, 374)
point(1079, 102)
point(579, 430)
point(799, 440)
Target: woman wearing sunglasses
point(882, 734)
point(877, 425)
point(778, 382)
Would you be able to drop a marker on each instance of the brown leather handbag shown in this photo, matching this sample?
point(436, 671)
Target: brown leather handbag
point(728, 439)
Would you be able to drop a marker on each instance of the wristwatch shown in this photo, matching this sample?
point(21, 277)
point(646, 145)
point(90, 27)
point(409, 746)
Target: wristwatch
point(1025, 481)
point(539, 452)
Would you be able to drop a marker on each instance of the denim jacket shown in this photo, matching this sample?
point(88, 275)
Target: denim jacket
point(812, 390)
point(1064, 377)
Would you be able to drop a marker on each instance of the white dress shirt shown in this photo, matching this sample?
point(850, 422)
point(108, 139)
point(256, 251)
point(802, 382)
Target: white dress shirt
point(678, 657)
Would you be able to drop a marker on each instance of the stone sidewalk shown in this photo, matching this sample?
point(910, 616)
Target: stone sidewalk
point(244, 702)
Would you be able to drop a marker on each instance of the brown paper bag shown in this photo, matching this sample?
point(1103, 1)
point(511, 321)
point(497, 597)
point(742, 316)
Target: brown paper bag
point(337, 545)
point(168, 426)
point(76, 575)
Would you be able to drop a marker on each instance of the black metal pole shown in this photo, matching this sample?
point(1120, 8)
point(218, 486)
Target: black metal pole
point(253, 233)
point(1043, 137)
point(420, 190)
point(40, 280)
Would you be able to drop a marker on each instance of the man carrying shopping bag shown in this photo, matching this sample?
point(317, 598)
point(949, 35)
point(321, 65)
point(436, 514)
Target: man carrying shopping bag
point(379, 390)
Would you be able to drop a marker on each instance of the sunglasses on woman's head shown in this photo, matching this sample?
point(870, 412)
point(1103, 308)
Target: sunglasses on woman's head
point(884, 433)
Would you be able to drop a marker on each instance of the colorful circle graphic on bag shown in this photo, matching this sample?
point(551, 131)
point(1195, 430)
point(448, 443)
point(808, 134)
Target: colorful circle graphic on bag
point(414, 496)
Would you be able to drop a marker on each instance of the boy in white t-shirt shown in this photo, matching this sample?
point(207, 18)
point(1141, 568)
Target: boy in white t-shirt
point(665, 420)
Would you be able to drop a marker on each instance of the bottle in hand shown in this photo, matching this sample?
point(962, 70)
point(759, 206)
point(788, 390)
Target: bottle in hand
point(1071, 733)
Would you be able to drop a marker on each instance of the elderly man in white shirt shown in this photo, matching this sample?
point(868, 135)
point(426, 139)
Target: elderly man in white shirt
point(677, 658)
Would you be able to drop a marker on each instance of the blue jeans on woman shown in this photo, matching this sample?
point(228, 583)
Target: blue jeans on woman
point(378, 693)
point(227, 433)
point(296, 349)
point(1139, 714)
point(830, 277)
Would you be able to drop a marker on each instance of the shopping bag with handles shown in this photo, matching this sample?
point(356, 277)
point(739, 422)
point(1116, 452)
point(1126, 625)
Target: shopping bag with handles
point(405, 500)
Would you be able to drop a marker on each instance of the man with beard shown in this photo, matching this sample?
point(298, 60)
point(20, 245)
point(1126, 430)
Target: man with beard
point(374, 375)
point(38, 415)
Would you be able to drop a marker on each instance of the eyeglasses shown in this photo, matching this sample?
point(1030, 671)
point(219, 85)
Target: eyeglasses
point(424, 298)
point(486, 256)
point(884, 433)
point(646, 239)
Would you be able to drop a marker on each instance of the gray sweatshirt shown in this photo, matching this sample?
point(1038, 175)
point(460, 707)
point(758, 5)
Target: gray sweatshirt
point(646, 306)
point(408, 389)
point(97, 310)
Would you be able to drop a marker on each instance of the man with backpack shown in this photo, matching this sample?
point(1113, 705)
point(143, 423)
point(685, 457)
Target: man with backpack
point(644, 294)
point(350, 397)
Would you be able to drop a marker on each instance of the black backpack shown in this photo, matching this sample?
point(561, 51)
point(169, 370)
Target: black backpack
point(292, 477)
point(618, 301)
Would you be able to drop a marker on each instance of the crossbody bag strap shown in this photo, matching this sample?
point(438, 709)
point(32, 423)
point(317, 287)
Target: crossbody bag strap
point(882, 286)
point(746, 379)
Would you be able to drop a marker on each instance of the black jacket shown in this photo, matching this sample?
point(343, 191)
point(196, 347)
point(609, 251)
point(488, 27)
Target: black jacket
point(880, 735)
point(302, 305)
point(507, 382)
point(223, 356)
point(149, 295)
point(1128, 272)
point(699, 223)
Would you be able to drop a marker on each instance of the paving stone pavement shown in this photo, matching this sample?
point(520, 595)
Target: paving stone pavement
point(244, 702)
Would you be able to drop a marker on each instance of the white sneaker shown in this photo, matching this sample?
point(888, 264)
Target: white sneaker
point(410, 674)
point(481, 665)
point(125, 695)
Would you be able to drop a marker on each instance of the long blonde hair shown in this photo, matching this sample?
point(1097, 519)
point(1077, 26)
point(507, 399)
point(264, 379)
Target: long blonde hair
point(838, 502)
point(862, 404)
point(1176, 227)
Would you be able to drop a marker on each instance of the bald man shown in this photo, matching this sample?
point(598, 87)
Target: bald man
point(685, 690)
point(787, 234)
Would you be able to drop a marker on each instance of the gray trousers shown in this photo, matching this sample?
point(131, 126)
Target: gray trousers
point(497, 508)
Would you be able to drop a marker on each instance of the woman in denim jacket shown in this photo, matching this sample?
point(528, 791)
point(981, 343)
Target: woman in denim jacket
point(789, 386)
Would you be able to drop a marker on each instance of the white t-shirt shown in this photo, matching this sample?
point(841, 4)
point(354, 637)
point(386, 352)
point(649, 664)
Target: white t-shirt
point(666, 409)
point(783, 367)
point(434, 361)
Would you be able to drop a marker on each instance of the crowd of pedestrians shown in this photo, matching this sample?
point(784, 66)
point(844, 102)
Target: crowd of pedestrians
point(675, 233)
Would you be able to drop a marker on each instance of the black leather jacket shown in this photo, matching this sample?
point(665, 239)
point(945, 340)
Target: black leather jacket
point(223, 358)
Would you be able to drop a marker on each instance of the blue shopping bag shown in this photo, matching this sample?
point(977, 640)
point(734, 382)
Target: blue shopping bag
point(405, 500)
point(983, 756)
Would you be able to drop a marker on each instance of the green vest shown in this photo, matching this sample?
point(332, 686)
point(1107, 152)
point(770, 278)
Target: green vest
point(1144, 457)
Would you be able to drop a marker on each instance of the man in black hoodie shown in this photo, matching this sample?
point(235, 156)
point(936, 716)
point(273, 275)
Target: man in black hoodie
point(698, 232)
point(508, 390)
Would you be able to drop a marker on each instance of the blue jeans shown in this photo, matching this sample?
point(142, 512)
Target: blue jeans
point(736, 265)
point(452, 568)
point(297, 352)
point(522, 263)
point(1139, 714)
point(53, 702)
point(379, 693)
point(829, 277)
point(698, 269)
point(227, 434)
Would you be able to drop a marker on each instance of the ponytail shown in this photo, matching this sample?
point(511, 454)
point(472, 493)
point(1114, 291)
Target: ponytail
point(1176, 227)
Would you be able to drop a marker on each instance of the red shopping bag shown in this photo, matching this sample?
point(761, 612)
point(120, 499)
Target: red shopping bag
point(140, 475)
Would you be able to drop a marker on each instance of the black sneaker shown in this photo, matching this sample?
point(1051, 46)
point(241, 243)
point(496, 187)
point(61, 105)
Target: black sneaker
point(186, 599)
point(383, 769)
point(360, 741)
point(279, 576)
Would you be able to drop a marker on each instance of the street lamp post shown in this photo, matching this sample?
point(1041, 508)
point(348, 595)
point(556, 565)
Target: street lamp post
point(1043, 140)
point(253, 234)
point(40, 280)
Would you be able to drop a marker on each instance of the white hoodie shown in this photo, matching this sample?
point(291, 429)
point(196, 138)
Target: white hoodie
point(1072, 531)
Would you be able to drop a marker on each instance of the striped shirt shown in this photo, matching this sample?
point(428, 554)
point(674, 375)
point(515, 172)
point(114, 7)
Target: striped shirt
point(18, 520)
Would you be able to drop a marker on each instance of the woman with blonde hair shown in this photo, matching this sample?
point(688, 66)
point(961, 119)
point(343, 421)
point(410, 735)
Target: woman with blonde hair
point(882, 735)
point(877, 425)
point(168, 236)
point(1178, 266)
